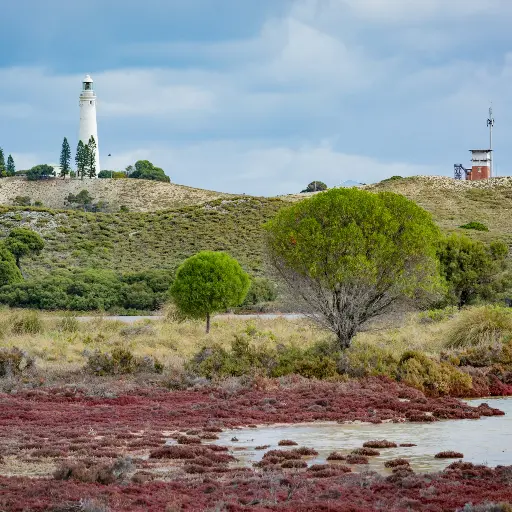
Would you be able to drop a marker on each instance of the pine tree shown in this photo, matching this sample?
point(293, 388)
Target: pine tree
point(3, 172)
point(87, 161)
point(65, 158)
point(80, 159)
point(11, 168)
point(92, 157)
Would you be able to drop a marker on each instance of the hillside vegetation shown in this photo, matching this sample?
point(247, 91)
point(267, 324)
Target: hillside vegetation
point(133, 241)
point(136, 195)
point(456, 203)
point(163, 227)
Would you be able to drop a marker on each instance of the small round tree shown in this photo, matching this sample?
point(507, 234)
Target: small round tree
point(23, 242)
point(349, 255)
point(207, 283)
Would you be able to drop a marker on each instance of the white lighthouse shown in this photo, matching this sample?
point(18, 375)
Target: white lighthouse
point(88, 125)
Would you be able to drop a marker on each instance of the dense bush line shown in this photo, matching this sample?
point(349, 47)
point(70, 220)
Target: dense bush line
point(89, 290)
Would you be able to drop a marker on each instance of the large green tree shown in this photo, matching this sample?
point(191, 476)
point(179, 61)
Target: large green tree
point(349, 255)
point(207, 283)
point(9, 272)
point(65, 158)
point(11, 167)
point(472, 269)
point(23, 242)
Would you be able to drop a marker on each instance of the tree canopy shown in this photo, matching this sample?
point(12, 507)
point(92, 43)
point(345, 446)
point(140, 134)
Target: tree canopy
point(10, 168)
point(315, 186)
point(349, 255)
point(145, 170)
point(472, 269)
point(23, 242)
point(40, 172)
point(207, 283)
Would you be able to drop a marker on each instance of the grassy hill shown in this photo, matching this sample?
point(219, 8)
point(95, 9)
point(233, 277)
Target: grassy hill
point(137, 195)
point(138, 240)
point(132, 241)
point(455, 203)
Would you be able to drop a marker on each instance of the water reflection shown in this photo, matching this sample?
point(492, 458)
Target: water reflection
point(485, 441)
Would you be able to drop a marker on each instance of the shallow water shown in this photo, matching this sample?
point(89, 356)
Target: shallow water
point(484, 441)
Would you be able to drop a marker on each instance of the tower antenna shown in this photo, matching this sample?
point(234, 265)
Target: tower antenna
point(490, 124)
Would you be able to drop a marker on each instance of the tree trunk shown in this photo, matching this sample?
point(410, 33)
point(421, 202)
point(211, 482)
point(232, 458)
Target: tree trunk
point(207, 323)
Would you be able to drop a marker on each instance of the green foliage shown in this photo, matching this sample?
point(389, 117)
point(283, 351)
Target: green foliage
point(27, 322)
point(477, 226)
point(9, 271)
point(476, 326)
point(260, 291)
point(121, 361)
point(207, 283)
point(364, 360)
point(40, 172)
point(82, 200)
point(249, 355)
point(437, 315)
point(91, 158)
point(14, 362)
point(81, 159)
point(431, 377)
point(10, 168)
point(145, 170)
point(22, 201)
point(23, 242)
point(90, 290)
point(471, 269)
point(315, 186)
point(350, 255)
point(136, 241)
point(65, 158)
point(393, 178)
point(2, 164)
point(498, 354)
point(112, 174)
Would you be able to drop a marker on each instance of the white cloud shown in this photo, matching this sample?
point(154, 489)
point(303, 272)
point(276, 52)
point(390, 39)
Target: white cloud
point(398, 11)
point(257, 168)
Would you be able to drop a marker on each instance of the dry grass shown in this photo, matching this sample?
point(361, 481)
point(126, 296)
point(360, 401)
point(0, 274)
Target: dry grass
point(137, 195)
point(56, 346)
point(60, 342)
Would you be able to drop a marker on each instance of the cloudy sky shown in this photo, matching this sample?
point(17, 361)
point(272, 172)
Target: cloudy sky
point(261, 96)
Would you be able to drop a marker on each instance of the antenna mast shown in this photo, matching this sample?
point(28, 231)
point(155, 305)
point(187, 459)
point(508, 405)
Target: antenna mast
point(490, 124)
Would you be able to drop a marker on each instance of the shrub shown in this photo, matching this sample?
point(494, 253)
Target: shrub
point(449, 455)
point(246, 358)
point(120, 361)
point(364, 360)
point(14, 361)
point(437, 315)
point(380, 444)
point(68, 323)
point(431, 377)
point(471, 269)
point(29, 322)
point(90, 290)
point(396, 463)
point(482, 325)
point(477, 226)
point(260, 291)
